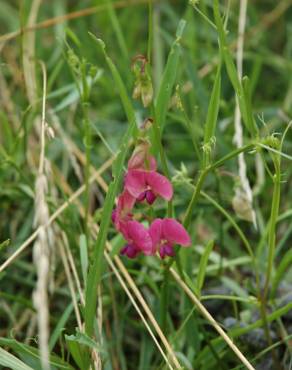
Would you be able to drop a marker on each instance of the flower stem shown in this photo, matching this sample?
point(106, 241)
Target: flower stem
point(271, 253)
point(272, 224)
point(202, 176)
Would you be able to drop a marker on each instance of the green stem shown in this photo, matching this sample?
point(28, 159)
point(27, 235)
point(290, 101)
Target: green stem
point(203, 174)
point(245, 148)
point(271, 253)
point(87, 144)
point(272, 224)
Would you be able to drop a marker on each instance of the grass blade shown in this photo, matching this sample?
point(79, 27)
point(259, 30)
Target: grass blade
point(168, 77)
point(203, 265)
point(12, 362)
point(212, 116)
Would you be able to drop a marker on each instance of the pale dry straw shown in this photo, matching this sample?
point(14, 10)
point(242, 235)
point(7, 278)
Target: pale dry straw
point(243, 194)
point(43, 244)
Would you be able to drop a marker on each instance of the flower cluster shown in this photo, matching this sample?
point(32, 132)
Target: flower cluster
point(144, 184)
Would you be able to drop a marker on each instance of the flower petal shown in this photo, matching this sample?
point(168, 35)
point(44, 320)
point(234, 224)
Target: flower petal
point(122, 212)
point(135, 182)
point(150, 197)
point(152, 163)
point(126, 202)
point(142, 161)
point(141, 158)
point(130, 251)
point(166, 250)
point(142, 196)
point(175, 233)
point(155, 231)
point(159, 184)
point(139, 236)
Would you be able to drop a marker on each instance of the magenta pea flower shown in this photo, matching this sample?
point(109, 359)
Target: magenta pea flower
point(122, 213)
point(138, 238)
point(142, 184)
point(165, 233)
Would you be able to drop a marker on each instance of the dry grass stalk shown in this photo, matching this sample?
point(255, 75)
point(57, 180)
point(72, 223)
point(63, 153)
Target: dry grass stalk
point(73, 268)
point(42, 245)
point(70, 282)
point(243, 194)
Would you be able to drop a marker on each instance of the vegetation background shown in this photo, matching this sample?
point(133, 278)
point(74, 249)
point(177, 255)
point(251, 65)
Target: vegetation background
point(67, 112)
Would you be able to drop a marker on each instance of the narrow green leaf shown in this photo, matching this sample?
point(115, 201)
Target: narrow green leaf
point(168, 77)
point(247, 96)
point(213, 108)
point(84, 340)
point(77, 353)
point(60, 326)
point(203, 265)
point(83, 257)
point(4, 244)
point(12, 362)
point(32, 354)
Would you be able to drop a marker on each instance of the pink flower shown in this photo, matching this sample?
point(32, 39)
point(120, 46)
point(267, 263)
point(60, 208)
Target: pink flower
point(138, 239)
point(165, 233)
point(141, 161)
point(122, 213)
point(142, 184)
point(141, 158)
